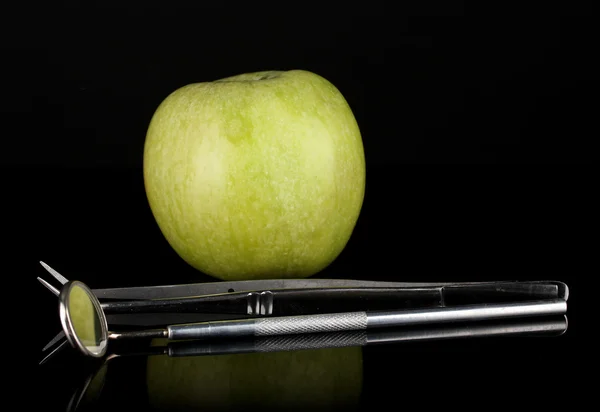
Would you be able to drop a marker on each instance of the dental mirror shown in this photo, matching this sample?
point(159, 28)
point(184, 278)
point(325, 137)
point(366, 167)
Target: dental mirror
point(89, 391)
point(83, 319)
point(85, 326)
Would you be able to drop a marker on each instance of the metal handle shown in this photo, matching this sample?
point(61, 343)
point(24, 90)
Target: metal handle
point(285, 325)
point(270, 344)
point(285, 302)
point(330, 322)
point(314, 341)
point(527, 327)
point(468, 313)
point(337, 322)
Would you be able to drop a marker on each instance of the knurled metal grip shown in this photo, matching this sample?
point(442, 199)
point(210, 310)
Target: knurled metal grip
point(329, 322)
point(265, 344)
point(304, 342)
point(338, 322)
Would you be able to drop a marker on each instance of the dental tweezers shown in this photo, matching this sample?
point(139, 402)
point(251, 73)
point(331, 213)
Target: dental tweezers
point(282, 297)
point(302, 296)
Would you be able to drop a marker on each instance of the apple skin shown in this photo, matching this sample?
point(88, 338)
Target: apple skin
point(307, 380)
point(256, 176)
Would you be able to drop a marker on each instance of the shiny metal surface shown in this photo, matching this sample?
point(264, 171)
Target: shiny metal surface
point(141, 334)
point(210, 330)
point(553, 301)
point(67, 321)
point(546, 327)
point(313, 341)
point(54, 341)
point(48, 286)
point(337, 322)
point(260, 303)
point(558, 289)
point(525, 290)
point(211, 288)
point(467, 313)
point(333, 322)
point(539, 327)
point(52, 353)
point(282, 343)
point(552, 326)
point(282, 302)
point(54, 273)
point(164, 319)
point(283, 325)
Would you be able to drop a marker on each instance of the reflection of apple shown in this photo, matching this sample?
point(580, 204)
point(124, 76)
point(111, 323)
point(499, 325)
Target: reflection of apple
point(260, 175)
point(83, 317)
point(321, 379)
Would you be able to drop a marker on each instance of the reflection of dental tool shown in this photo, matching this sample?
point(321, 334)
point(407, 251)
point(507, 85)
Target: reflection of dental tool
point(546, 327)
point(551, 326)
point(85, 324)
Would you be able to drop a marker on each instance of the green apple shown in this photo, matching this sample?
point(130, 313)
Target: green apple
point(319, 379)
point(260, 175)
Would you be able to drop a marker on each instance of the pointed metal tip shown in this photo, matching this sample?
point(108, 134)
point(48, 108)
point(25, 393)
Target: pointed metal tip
point(58, 337)
point(53, 353)
point(54, 273)
point(49, 286)
point(45, 360)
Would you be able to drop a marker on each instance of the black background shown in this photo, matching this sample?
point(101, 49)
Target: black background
point(434, 87)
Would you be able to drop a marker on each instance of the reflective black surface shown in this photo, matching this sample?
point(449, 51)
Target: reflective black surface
point(97, 228)
point(341, 378)
point(432, 88)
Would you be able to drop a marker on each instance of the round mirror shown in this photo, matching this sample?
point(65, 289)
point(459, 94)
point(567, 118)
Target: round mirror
point(83, 320)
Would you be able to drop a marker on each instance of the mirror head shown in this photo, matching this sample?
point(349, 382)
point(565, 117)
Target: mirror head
point(83, 319)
